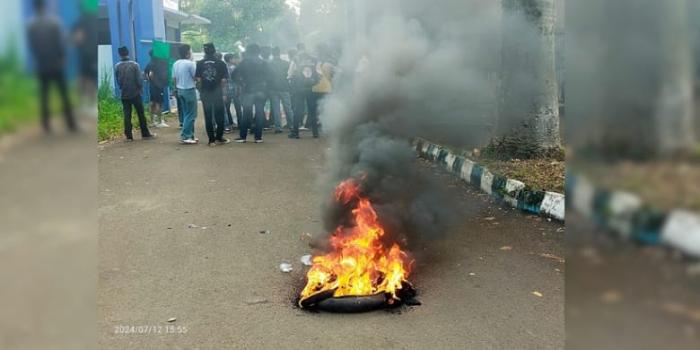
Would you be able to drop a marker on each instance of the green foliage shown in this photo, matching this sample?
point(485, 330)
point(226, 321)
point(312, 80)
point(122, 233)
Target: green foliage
point(109, 116)
point(18, 93)
point(236, 20)
point(195, 39)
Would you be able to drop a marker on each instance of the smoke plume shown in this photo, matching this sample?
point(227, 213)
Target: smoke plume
point(429, 70)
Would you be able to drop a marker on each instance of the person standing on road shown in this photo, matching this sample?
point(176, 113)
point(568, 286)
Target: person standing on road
point(232, 61)
point(156, 73)
point(325, 70)
point(48, 47)
point(128, 77)
point(280, 91)
point(184, 80)
point(265, 54)
point(253, 75)
point(212, 76)
point(303, 79)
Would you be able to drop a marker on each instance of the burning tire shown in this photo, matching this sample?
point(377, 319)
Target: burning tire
point(363, 271)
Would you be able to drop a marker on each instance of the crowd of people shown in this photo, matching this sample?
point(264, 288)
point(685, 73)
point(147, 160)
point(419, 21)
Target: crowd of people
point(249, 82)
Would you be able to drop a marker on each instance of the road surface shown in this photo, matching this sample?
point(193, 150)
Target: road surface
point(180, 238)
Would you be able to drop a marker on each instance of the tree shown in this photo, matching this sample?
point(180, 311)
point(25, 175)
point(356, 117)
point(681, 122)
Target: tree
point(238, 20)
point(528, 123)
point(638, 101)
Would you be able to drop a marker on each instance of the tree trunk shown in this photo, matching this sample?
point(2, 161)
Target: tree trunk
point(631, 79)
point(529, 97)
point(673, 114)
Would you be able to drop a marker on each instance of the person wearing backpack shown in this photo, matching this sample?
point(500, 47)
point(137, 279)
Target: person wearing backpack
point(156, 73)
point(323, 87)
point(302, 80)
point(212, 77)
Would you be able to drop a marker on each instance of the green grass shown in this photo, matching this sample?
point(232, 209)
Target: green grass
point(18, 95)
point(110, 119)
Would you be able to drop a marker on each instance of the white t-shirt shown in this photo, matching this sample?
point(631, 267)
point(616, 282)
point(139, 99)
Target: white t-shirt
point(183, 73)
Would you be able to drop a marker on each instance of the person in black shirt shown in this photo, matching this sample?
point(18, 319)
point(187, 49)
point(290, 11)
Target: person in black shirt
point(232, 61)
point(128, 76)
point(85, 39)
point(212, 77)
point(253, 75)
point(156, 73)
point(48, 47)
point(280, 91)
point(302, 79)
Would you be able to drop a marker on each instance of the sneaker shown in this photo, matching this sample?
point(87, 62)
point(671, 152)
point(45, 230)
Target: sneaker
point(278, 131)
point(258, 141)
point(292, 136)
point(196, 140)
point(149, 137)
point(129, 139)
point(239, 140)
point(211, 144)
point(227, 130)
point(188, 142)
point(303, 128)
point(162, 125)
point(223, 141)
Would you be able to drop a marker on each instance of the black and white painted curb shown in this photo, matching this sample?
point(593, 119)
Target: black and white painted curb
point(513, 192)
point(626, 215)
point(620, 212)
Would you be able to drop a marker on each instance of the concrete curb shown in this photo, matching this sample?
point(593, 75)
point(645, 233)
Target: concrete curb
point(513, 192)
point(626, 215)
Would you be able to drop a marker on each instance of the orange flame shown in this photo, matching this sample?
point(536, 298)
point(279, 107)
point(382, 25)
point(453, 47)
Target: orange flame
point(359, 263)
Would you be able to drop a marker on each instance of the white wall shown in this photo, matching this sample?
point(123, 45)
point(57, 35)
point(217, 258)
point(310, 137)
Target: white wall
point(105, 64)
point(11, 25)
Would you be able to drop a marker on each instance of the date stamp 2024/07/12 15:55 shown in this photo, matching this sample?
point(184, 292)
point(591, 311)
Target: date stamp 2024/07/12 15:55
point(150, 329)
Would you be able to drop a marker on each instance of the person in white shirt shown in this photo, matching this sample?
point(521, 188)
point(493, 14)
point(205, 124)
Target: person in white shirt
point(183, 78)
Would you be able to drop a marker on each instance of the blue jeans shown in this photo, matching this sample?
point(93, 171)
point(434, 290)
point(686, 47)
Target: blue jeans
point(283, 97)
point(180, 113)
point(188, 101)
point(253, 100)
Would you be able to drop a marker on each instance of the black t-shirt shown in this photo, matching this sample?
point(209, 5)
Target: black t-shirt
point(159, 68)
point(253, 74)
point(212, 72)
point(279, 68)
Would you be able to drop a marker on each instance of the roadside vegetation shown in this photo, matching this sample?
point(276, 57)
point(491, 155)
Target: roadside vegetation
point(18, 95)
point(109, 120)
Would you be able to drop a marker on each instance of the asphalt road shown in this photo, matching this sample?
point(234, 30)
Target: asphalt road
point(180, 238)
point(48, 240)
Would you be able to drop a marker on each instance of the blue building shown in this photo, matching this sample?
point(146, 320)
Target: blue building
point(66, 11)
point(136, 24)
